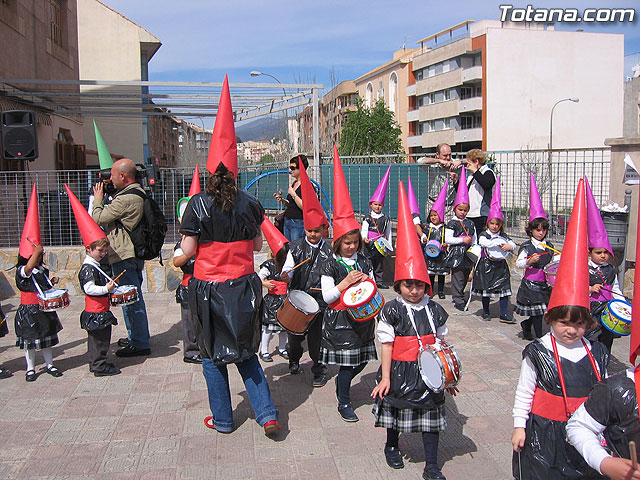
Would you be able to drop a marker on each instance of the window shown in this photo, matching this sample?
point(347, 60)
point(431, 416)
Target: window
point(55, 22)
point(432, 70)
point(466, 122)
point(446, 123)
point(419, 74)
point(466, 92)
point(368, 97)
point(447, 95)
point(393, 89)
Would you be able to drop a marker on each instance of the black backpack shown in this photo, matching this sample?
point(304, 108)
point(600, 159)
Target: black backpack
point(148, 235)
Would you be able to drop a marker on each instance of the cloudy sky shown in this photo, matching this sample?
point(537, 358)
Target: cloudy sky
point(304, 40)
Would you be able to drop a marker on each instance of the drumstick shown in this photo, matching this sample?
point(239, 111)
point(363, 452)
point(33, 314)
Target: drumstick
point(543, 253)
point(611, 291)
point(119, 275)
point(633, 454)
point(34, 246)
point(550, 248)
point(301, 263)
point(315, 288)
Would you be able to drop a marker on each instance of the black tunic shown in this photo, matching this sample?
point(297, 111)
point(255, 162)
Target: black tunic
point(94, 320)
point(491, 277)
point(340, 331)
point(456, 255)
point(436, 265)
point(31, 323)
point(381, 223)
point(307, 276)
point(533, 292)
point(408, 390)
point(546, 454)
point(614, 404)
point(226, 314)
point(182, 292)
point(272, 302)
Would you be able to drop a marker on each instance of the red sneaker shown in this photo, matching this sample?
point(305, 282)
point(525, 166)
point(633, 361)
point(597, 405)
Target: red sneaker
point(208, 421)
point(271, 427)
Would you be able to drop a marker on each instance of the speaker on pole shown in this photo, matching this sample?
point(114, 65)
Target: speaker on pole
point(19, 136)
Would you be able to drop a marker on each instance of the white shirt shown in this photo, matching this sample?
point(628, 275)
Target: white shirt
point(521, 261)
point(90, 288)
point(386, 333)
point(476, 193)
point(364, 232)
point(450, 239)
point(289, 263)
point(330, 292)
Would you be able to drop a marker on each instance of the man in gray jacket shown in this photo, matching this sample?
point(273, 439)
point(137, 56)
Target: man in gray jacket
point(125, 212)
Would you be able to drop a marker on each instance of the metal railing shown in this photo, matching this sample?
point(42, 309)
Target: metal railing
point(568, 166)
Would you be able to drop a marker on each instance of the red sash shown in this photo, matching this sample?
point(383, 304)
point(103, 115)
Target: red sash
point(279, 289)
point(96, 304)
point(337, 305)
point(406, 348)
point(185, 279)
point(219, 261)
point(28, 298)
point(552, 407)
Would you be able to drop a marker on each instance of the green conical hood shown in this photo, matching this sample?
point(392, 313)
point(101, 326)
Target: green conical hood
point(106, 162)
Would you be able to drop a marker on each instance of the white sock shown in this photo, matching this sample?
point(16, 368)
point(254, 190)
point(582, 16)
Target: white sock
point(30, 357)
point(266, 337)
point(47, 353)
point(283, 342)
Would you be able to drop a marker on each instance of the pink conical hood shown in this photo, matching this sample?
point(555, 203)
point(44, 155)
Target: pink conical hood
point(535, 203)
point(438, 205)
point(413, 202)
point(462, 195)
point(595, 226)
point(381, 192)
point(495, 209)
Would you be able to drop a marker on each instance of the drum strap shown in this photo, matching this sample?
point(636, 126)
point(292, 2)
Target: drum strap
point(464, 228)
point(280, 288)
point(33, 278)
point(413, 323)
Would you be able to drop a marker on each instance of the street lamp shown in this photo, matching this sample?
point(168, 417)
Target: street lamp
point(255, 73)
point(574, 100)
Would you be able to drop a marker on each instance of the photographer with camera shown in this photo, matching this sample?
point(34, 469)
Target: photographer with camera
point(118, 218)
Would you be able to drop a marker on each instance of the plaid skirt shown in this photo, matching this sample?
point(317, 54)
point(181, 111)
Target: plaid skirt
point(492, 294)
point(409, 420)
point(349, 358)
point(273, 328)
point(38, 343)
point(530, 310)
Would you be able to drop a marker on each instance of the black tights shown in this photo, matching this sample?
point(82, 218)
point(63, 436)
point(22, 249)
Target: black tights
point(343, 382)
point(536, 322)
point(432, 277)
point(429, 442)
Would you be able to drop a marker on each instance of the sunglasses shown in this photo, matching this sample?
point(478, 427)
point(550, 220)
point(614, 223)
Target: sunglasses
point(292, 168)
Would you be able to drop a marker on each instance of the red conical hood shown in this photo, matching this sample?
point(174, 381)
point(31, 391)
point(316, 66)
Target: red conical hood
point(223, 148)
point(195, 183)
point(89, 229)
point(635, 306)
point(275, 238)
point(312, 212)
point(31, 229)
point(410, 264)
point(572, 280)
point(344, 219)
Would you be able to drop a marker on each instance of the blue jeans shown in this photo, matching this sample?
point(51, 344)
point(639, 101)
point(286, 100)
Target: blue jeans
point(135, 314)
point(293, 228)
point(217, 378)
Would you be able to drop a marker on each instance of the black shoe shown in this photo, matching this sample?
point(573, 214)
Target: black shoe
point(195, 359)
point(432, 472)
point(123, 342)
point(31, 376)
point(527, 334)
point(394, 457)
point(4, 373)
point(53, 371)
point(107, 371)
point(441, 295)
point(320, 380)
point(507, 319)
point(131, 351)
point(382, 286)
point(266, 357)
point(347, 413)
point(486, 316)
point(294, 368)
point(459, 306)
point(284, 354)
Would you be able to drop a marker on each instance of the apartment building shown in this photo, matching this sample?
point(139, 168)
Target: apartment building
point(493, 85)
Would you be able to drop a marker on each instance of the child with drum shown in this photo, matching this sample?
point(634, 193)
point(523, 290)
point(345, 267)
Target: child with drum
point(492, 278)
point(96, 318)
point(269, 274)
point(434, 241)
point(376, 231)
point(346, 342)
point(559, 369)
point(36, 329)
point(406, 399)
point(302, 272)
point(460, 235)
point(603, 277)
point(534, 255)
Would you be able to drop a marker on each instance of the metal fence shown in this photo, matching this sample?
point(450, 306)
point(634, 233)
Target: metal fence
point(557, 183)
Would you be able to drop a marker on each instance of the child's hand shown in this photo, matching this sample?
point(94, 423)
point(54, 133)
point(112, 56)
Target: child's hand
point(38, 250)
point(366, 240)
point(453, 391)
point(55, 280)
point(595, 288)
point(111, 286)
point(444, 246)
point(533, 259)
point(355, 276)
point(284, 276)
point(424, 239)
point(381, 389)
point(268, 284)
point(505, 247)
point(518, 438)
point(467, 240)
point(619, 469)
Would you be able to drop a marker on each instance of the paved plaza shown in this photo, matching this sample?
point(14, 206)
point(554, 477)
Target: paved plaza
point(147, 423)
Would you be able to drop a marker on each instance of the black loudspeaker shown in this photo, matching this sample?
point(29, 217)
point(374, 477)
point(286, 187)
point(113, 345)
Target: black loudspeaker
point(19, 137)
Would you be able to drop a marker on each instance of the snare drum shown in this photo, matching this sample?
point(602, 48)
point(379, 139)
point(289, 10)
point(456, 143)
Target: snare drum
point(53, 299)
point(433, 248)
point(297, 312)
point(439, 366)
point(182, 206)
point(363, 301)
point(494, 252)
point(124, 295)
point(616, 317)
point(550, 272)
point(383, 246)
point(474, 252)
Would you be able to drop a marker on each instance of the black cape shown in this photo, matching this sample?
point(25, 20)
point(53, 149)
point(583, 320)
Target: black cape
point(456, 255)
point(271, 302)
point(227, 314)
point(182, 292)
point(31, 323)
point(94, 320)
point(491, 275)
point(546, 454)
point(408, 390)
point(532, 292)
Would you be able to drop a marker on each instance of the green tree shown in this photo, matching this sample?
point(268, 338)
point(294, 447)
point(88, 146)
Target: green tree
point(370, 131)
point(266, 158)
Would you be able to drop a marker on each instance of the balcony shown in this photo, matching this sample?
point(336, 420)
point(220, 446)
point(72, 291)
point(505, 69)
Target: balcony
point(470, 104)
point(434, 111)
point(472, 74)
point(415, 141)
point(431, 139)
point(439, 82)
point(413, 115)
point(411, 90)
point(468, 135)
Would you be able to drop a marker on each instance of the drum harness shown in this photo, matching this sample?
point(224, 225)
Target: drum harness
point(33, 278)
point(429, 236)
